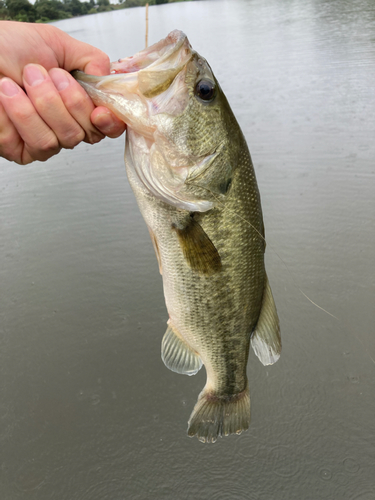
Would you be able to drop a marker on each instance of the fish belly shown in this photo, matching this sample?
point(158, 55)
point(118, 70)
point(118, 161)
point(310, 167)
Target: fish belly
point(215, 315)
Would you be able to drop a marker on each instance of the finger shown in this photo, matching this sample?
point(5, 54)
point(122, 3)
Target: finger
point(38, 140)
point(107, 122)
point(90, 59)
point(11, 144)
point(49, 105)
point(73, 54)
point(77, 102)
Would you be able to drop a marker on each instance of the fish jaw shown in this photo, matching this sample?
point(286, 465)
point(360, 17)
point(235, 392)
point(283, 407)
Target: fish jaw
point(158, 65)
point(147, 91)
point(134, 81)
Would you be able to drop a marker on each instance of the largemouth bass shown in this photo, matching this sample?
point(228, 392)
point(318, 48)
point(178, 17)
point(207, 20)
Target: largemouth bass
point(191, 172)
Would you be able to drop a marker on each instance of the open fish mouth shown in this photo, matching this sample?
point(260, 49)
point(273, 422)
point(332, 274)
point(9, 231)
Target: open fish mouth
point(147, 91)
point(147, 73)
point(158, 65)
point(144, 85)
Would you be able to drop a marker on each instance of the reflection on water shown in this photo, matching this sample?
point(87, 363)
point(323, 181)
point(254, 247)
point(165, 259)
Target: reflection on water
point(87, 409)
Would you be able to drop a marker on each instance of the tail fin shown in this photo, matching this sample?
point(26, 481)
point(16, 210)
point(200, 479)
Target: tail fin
point(215, 416)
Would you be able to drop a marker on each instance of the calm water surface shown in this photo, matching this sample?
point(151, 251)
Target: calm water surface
point(87, 409)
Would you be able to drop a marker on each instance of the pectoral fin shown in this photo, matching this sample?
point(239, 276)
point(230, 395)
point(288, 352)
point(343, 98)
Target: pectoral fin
point(266, 340)
point(199, 251)
point(177, 355)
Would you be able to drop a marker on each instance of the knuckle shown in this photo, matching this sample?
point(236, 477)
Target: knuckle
point(10, 148)
point(10, 155)
point(46, 147)
point(24, 158)
point(46, 101)
point(50, 145)
point(25, 161)
point(105, 58)
point(94, 137)
point(43, 155)
point(73, 138)
point(21, 115)
point(77, 101)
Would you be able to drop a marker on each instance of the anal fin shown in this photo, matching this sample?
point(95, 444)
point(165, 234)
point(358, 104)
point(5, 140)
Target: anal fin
point(266, 340)
point(177, 355)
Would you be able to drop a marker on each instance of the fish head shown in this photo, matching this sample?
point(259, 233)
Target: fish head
point(179, 123)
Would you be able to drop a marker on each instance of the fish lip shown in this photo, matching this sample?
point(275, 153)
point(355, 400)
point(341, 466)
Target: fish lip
point(158, 65)
point(144, 59)
point(131, 91)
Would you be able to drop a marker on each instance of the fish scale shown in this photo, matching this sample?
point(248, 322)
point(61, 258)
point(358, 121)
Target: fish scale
point(195, 185)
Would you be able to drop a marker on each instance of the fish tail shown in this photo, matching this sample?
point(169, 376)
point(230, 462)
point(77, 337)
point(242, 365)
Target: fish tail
point(215, 415)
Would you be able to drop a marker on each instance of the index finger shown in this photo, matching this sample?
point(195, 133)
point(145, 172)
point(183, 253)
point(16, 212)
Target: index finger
point(77, 102)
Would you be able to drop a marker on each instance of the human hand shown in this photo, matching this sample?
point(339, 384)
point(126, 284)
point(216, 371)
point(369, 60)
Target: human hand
point(42, 107)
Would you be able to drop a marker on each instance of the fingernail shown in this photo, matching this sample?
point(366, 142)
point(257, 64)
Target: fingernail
point(59, 78)
point(8, 87)
point(104, 122)
point(33, 75)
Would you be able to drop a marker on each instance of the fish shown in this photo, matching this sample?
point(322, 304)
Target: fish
point(190, 169)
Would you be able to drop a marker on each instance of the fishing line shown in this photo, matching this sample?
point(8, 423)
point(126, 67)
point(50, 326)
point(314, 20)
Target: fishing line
point(285, 264)
point(274, 251)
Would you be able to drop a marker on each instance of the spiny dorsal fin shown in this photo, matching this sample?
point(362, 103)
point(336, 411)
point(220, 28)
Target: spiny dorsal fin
point(177, 355)
point(266, 340)
point(199, 251)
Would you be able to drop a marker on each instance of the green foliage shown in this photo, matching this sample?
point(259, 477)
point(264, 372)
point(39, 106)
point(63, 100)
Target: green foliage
point(3, 10)
point(76, 8)
point(20, 10)
point(44, 11)
point(50, 9)
point(136, 3)
point(104, 5)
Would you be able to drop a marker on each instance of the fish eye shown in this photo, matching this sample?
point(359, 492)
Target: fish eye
point(205, 90)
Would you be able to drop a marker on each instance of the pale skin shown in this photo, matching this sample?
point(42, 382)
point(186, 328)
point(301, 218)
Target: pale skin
point(42, 108)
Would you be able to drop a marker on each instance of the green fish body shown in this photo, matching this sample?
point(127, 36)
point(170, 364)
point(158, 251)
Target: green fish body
point(190, 169)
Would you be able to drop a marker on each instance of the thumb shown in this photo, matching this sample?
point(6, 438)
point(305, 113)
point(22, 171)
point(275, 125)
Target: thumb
point(73, 54)
point(86, 58)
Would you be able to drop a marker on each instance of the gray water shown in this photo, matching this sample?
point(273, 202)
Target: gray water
point(87, 409)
